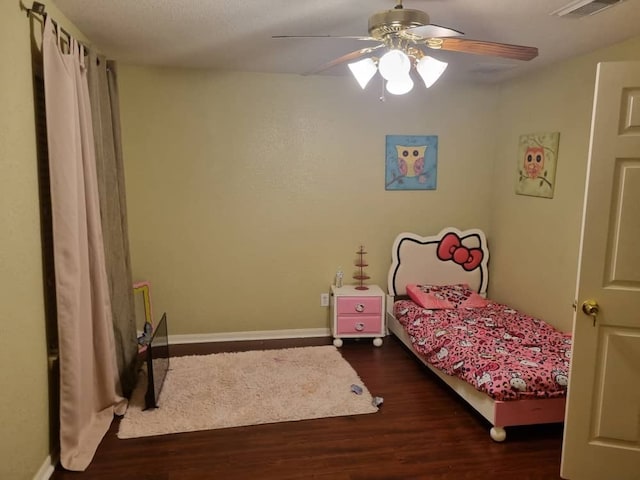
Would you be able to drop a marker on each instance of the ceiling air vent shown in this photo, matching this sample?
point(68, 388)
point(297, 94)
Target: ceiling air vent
point(584, 8)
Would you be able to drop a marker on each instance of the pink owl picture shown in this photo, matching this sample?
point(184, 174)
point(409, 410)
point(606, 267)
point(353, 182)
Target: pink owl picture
point(533, 162)
point(537, 158)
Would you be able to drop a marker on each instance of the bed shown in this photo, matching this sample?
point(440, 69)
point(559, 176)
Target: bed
point(510, 367)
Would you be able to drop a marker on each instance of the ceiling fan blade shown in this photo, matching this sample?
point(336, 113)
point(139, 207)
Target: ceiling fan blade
point(433, 31)
point(345, 58)
point(352, 37)
point(479, 47)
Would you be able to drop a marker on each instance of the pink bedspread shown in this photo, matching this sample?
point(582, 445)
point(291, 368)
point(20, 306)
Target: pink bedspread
point(500, 351)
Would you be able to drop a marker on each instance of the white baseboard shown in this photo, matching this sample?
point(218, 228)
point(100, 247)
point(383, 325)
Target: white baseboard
point(47, 468)
point(244, 336)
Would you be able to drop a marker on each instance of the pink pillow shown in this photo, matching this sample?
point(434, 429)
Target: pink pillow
point(475, 300)
point(439, 297)
point(426, 298)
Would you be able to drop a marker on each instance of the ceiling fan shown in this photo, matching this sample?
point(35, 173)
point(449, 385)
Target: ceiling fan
point(411, 32)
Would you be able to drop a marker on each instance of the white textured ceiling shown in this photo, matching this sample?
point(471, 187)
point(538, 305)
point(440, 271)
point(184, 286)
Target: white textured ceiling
point(236, 34)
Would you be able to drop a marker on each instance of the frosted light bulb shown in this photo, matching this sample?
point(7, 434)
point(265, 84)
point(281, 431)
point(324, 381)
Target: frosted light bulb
point(394, 65)
point(401, 86)
point(430, 70)
point(363, 71)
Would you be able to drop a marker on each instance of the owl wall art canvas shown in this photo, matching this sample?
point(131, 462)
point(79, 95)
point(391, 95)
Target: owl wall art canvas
point(411, 162)
point(537, 159)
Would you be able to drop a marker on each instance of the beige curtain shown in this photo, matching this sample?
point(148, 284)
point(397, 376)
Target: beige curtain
point(103, 92)
point(89, 384)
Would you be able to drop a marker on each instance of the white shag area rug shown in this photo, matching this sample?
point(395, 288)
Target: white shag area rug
point(203, 392)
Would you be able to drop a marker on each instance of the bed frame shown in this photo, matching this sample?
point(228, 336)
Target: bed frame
point(419, 260)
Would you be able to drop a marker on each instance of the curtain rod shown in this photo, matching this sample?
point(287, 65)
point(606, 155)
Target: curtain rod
point(40, 9)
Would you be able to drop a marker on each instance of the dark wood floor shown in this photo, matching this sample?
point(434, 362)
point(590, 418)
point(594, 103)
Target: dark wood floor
point(422, 431)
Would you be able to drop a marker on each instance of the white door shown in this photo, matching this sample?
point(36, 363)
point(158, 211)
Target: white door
point(602, 428)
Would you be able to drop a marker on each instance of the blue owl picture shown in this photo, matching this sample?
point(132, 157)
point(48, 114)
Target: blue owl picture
point(411, 162)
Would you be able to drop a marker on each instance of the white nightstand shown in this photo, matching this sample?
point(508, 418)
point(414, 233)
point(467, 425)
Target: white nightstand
point(357, 313)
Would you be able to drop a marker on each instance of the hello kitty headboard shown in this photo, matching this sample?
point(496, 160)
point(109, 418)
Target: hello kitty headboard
point(448, 258)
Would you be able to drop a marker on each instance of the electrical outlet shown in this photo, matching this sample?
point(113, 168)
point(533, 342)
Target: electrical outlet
point(324, 299)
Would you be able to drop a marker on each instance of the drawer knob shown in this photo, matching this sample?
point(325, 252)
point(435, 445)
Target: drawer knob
point(360, 307)
point(359, 326)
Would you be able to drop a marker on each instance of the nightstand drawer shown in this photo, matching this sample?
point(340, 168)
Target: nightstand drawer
point(356, 324)
point(359, 305)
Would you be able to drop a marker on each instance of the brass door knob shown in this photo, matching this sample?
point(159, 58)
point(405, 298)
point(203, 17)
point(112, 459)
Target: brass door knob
point(590, 307)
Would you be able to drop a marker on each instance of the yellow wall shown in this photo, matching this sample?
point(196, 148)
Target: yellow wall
point(247, 191)
point(534, 241)
point(24, 441)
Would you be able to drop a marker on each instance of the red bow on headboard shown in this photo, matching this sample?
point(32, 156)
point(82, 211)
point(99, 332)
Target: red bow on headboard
point(451, 248)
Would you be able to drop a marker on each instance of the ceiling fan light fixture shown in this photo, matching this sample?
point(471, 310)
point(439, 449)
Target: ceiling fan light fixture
point(363, 71)
point(400, 86)
point(394, 65)
point(430, 69)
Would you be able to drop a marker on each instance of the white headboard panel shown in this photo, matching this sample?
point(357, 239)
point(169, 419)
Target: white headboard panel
point(451, 257)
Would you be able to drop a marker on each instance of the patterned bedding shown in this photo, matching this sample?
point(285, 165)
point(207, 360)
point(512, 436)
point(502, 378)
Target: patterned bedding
point(502, 352)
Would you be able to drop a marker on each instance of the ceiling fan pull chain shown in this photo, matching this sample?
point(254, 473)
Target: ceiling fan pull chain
point(399, 5)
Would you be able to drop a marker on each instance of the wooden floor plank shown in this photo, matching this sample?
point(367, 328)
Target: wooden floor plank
point(422, 431)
